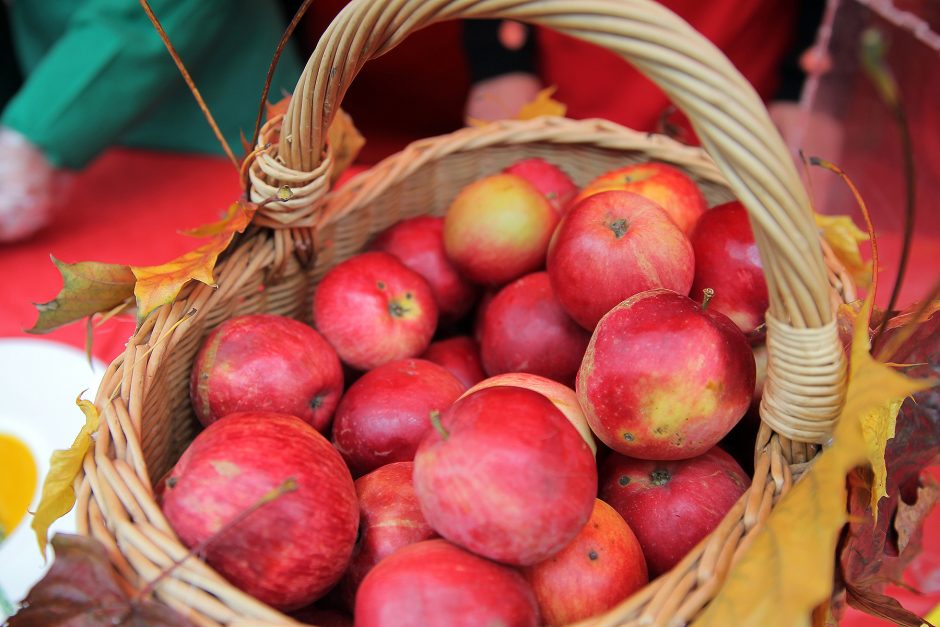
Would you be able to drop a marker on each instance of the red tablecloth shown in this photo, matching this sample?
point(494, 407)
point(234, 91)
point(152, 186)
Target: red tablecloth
point(128, 208)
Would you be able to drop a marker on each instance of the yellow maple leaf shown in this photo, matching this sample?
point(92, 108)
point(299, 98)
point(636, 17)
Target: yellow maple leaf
point(542, 104)
point(345, 142)
point(344, 138)
point(788, 568)
point(843, 236)
point(274, 109)
point(158, 285)
point(236, 218)
point(58, 495)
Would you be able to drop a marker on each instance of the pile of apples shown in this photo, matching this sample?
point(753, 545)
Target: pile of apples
point(508, 415)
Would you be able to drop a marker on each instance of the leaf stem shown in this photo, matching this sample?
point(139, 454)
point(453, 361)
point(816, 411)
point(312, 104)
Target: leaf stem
point(436, 423)
point(876, 69)
point(189, 82)
point(818, 161)
point(277, 57)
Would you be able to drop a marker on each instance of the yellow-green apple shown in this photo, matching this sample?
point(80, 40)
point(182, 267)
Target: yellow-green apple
point(665, 377)
point(665, 185)
point(727, 261)
point(561, 396)
point(373, 310)
point(389, 519)
point(506, 476)
point(419, 244)
point(293, 548)
point(384, 415)
point(436, 584)
point(672, 505)
point(460, 355)
point(549, 179)
point(264, 362)
point(525, 329)
point(601, 567)
point(497, 229)
point(611, 246)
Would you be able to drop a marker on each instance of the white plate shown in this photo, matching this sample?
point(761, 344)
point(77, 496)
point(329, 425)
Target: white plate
point(39, 381)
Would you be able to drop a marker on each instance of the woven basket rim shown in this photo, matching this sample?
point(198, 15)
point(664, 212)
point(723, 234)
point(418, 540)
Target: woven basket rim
point(116, 502)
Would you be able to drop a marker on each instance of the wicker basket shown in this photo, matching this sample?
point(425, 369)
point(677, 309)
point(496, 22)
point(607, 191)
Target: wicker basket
point(275, 266)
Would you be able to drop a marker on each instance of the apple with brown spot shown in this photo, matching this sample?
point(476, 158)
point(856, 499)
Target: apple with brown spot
point(419, 244)
point(549, 179)
point(727, 261)
point(460, 355)
point(436, 584)
point(665, 377)
point(389, 519)
point(525, 329)
point(611, 246)
point(497, 229)
point(270, 363)
point(670, 188)
point(506, 476)
point(383, 416)
point(294, 545)
point(672, 505)
point(373, 310)
point(601, 567)
point(561, 396)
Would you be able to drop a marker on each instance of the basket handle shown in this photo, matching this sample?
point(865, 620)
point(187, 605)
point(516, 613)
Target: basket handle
point(727, 115)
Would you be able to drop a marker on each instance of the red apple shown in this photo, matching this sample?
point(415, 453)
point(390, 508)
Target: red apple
point(374, 310)
point(419, 244)
point(266, 363)
point(506, 476)
point(460, 355)
point(665, 377)
point(727, 261)
point(671, 506)
point(668, 187)
point(525, 329)
point(290, 550)
point(480, 313)
point(497, 229)
point(549, 179)
point(436, 584)
point(601, 567)
point(384, 415)
point(561, 396)
point(389, 519)
point(611, 246)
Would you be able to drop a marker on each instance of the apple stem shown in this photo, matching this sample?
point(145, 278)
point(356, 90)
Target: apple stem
point(288, 485)
point(436, 422)
point(708, 293)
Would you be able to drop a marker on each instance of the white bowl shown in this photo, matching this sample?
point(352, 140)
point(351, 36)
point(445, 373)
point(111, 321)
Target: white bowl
point(39, 380)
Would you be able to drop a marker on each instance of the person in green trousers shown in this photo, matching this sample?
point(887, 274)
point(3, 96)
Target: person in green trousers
point(78, 77)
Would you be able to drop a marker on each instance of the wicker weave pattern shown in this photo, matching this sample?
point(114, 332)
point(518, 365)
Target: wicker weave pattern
point(143, 397)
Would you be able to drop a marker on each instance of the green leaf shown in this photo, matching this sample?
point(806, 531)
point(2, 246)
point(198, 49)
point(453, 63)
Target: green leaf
point(88, 287)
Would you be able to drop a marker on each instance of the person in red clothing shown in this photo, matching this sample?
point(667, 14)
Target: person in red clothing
point(486, 69)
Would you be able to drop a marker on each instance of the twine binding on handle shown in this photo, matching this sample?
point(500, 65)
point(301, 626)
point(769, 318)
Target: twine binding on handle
point(804, 391)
